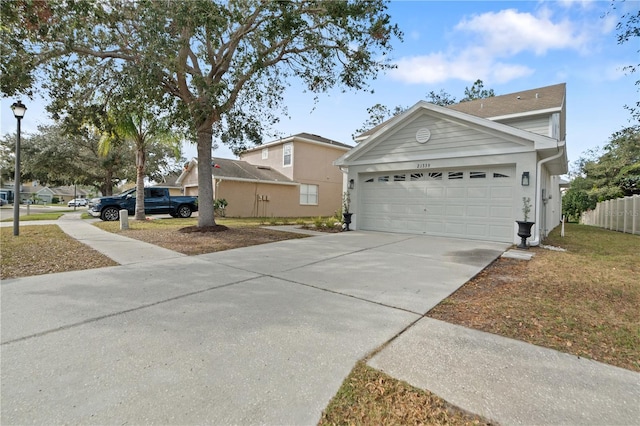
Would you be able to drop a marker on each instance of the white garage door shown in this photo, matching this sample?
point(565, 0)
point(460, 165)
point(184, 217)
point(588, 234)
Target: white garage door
point(468, 203)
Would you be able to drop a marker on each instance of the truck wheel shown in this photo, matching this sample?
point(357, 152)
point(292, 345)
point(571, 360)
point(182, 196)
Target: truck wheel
point(184, 211)
point(110, 214)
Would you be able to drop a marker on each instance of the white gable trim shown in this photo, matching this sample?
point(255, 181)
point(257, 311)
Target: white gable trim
point(504, 131)
point(442, 156)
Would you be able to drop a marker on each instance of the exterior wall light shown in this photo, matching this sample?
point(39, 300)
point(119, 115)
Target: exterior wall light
point(352, 184)
point(525, 179)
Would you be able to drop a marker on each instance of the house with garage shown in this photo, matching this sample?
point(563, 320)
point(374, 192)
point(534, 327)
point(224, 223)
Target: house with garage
point(463, 170)
point(289, 177)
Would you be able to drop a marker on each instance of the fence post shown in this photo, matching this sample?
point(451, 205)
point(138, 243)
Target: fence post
point(636, 214)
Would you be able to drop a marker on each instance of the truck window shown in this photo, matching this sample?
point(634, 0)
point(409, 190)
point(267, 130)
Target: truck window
point(156, 192)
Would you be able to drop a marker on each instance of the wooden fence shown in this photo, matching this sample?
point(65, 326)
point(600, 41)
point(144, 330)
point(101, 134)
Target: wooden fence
point(621, 214)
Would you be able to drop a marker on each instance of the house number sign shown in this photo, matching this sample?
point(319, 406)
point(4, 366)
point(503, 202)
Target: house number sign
point(423, 165)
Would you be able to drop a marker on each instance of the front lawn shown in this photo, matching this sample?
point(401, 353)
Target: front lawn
point(583, 301)
point(45, 249)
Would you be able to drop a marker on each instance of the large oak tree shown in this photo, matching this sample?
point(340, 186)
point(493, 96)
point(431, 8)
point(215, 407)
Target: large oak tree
point(222, 66)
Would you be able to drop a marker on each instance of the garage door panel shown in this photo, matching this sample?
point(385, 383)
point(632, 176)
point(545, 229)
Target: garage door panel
point(479, 207)
point(500, 212)
point(455, 210)
point(476, 230)
point(456, 193)
point(435, 210)
point(501, 232)
point(456, 229)
point(502, 193)
point(481, 212)
point(435, 192)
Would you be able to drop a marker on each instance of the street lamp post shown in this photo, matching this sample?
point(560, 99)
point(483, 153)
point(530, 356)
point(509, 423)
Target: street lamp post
point(18, 111)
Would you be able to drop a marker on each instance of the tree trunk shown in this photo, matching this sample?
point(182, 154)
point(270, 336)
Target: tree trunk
point(205, 179)
point(140, 160)
point(108, 183)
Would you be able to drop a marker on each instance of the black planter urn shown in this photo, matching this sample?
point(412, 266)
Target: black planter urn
point(346, 218)
point(524, 232)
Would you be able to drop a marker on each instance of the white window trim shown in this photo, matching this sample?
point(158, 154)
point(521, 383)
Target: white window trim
point(307, 194)
point(284, 150)
point(265, 153)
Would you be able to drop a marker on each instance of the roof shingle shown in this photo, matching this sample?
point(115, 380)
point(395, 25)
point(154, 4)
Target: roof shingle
point(514, 103)
point(238, 169)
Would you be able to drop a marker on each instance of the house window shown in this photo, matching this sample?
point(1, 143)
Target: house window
point(455, 175)
point(383, 178)
point(265, 153)
point(435, 175)
point(477, 175)
point(287, 154)
point(399, 178)
point(499, 175)
point(369, 180)
point(308, 194)
point(417, 176)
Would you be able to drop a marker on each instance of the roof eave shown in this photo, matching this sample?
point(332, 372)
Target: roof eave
point(274, 182)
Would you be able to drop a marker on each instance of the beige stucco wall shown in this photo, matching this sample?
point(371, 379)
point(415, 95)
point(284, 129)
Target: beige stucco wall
point(312, 164)
point(254, 199)
point(274, 159)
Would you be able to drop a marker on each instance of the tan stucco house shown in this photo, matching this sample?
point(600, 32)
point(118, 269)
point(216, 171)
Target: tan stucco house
point(289, 177)
point(463, 170)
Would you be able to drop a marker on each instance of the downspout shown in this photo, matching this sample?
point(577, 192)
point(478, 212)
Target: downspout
point(539, 202)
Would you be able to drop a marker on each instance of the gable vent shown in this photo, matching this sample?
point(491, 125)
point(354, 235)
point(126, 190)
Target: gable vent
point(264, 167)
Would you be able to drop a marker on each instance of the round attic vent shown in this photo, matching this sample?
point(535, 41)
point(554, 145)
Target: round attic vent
point(423, 135)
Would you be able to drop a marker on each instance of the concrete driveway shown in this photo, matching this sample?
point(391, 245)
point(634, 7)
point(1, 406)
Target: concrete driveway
point(264, 334)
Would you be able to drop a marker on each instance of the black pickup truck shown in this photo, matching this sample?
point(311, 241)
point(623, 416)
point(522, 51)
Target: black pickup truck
point(157, 200)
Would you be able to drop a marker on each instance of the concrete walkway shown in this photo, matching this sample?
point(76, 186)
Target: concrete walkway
point(266, 334)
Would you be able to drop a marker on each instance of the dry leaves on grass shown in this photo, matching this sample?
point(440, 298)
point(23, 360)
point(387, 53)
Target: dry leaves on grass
point(200, 241)
point(370, 397)
point(563, 301)
point(45, 249)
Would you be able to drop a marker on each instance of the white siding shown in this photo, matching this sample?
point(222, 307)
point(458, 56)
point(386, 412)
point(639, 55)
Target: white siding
point(539, 125)
point(446, 137)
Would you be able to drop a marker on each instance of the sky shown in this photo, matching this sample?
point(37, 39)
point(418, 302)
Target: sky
point(510, 45)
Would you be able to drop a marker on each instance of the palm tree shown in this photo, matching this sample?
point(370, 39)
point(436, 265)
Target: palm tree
point(143, 130)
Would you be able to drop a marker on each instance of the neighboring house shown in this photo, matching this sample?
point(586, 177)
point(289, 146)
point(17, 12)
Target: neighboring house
point(33, 190)
point(68, 193)
point(463, 170)
point(290, 177)
point(169, 181)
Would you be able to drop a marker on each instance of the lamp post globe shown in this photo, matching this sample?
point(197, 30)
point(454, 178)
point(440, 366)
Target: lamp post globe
point(18, 109)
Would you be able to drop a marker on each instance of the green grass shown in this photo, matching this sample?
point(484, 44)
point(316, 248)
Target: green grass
point(39, 216)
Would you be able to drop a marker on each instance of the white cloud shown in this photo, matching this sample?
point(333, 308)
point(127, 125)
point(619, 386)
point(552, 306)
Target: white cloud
point(567, 4)
point(509, 32)
point(490, 39)
point(468, 66)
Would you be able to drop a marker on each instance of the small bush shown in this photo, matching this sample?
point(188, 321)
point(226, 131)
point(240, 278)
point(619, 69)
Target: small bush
point(319, 222)
point(300, 221)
